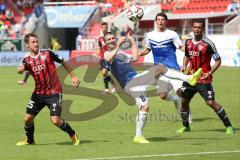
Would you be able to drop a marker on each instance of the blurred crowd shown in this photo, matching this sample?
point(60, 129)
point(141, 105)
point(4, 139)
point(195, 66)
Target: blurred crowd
point(13, 17)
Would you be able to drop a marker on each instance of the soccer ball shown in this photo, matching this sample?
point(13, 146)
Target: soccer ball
point(135, 13)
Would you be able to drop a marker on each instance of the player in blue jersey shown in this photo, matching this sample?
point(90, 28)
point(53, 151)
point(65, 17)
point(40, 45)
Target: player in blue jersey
point(163, 44)
point(135, 84)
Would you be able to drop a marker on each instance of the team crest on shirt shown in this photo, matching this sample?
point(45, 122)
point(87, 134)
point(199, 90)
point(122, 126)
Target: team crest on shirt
point(43, 57)
point(200, 47)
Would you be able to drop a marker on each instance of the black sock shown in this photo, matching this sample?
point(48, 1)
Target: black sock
point(185, 116)
point(223, 116)
point(67, 128)
point(105, 82)
point(109, 78)
point(29, 131)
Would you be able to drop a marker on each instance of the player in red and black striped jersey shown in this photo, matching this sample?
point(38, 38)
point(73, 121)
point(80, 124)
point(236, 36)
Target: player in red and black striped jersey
point(199, 51)
point(104, 64)
point(48, 90)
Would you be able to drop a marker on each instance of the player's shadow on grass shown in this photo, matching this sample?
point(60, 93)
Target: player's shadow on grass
point(175, 138)
point(217, 130)
point(81, 142)
point(203, 119)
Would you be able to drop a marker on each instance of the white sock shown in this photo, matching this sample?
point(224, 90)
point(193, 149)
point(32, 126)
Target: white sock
point(176, 100)
point(177, 75)
point(141, 119)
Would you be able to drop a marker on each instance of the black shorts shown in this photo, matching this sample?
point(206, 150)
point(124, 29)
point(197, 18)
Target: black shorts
point(204, 89)
point(104, 65)
point(38, 102)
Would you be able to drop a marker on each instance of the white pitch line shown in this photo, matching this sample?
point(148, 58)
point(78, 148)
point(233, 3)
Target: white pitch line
point(161, 155)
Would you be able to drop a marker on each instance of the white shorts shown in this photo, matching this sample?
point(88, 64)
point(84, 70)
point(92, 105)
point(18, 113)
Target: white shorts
point(174, 84)
point(138, 90)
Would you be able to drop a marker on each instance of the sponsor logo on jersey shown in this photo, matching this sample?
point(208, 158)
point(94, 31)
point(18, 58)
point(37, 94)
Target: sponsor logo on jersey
point(193, 54)
point(37, 69)
point(160, 46)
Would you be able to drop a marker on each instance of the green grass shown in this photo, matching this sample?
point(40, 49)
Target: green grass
point(111, 135)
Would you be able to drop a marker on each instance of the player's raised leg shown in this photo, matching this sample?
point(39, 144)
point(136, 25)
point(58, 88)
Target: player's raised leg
point(191, 79)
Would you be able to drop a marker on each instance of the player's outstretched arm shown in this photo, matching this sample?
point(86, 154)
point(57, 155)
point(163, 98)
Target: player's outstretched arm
point(20, 69)
point(133, 47)
point(75, 80)
point(144, 52)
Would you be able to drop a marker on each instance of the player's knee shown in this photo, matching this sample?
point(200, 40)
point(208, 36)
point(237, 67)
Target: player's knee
point(28, 118)
point(144, 108)
point(56, 121)
point(210, 103)
point(104, 72)
point(160, 69)
point(163, 96)
point(179, 93)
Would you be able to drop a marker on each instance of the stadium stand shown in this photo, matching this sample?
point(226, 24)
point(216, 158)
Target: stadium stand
point(195, 6)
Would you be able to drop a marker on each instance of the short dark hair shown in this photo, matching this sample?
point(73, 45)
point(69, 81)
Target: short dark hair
point(104, 24)
point(162, 15)
point(199, 21)
point(26, 38)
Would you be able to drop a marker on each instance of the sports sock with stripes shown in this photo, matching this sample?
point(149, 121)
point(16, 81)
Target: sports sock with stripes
point(67, 128)
point(223, 116)
point(29, 131)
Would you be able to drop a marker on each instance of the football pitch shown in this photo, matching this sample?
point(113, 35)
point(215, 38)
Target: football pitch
point(110, 135)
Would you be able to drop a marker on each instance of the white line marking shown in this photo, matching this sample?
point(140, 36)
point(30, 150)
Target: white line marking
point(162, 155)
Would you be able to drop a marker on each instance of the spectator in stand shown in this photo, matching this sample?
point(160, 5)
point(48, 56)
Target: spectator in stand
point(234, 6)
point(18, 29)
point(20, 4)
point(4, 31)
point(10, 16)
point(3, 8)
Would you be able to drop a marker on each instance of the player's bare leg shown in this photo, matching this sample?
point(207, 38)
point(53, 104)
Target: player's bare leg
point(171, 97)
point(64, 126)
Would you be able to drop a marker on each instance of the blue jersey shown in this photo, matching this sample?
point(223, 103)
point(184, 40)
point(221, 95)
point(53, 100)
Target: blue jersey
point(163, 46)
point(121, 69)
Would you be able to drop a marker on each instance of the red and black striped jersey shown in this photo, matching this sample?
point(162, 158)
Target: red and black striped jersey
point(43, 70)
point(200, 54)
point(102, 46)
